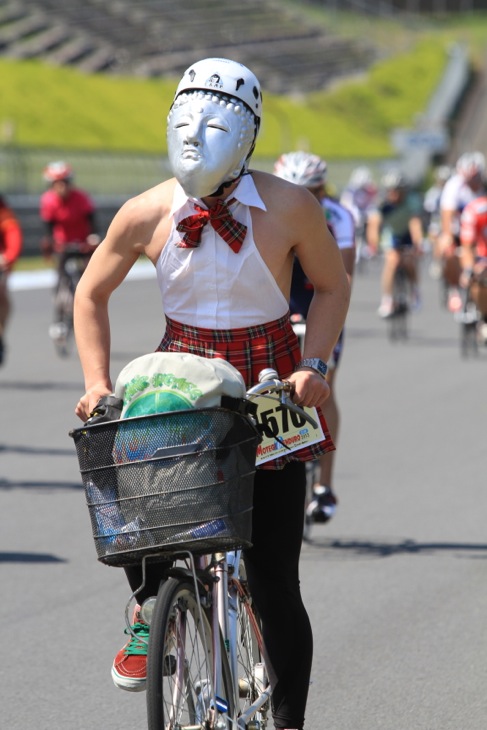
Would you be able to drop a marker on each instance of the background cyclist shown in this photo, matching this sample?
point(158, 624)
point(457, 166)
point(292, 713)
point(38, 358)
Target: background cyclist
point(67, 211)
point(69, 217)
point(396, 227)
point(222, 239)
point(462, 187)
point(473, 257)
point(359, 196)
point(10, 248)
point(431, 206)
point(310, 171)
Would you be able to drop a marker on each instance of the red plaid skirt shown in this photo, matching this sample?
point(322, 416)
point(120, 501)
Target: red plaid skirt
point(249, 350)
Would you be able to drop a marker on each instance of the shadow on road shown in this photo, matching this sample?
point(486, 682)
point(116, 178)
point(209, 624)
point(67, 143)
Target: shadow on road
point(35, 451)
point(6, 557)
point(42, 485)
point(24, 385)
point(385, 548)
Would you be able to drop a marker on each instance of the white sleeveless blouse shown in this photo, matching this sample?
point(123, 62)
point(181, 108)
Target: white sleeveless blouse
point(211, 286)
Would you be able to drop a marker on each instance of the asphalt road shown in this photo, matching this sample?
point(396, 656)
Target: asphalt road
point(396, 584)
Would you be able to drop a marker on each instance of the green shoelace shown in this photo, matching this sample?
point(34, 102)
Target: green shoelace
point(137, 645)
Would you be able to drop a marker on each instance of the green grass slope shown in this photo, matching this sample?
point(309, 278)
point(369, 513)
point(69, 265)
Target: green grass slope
point(46, 106)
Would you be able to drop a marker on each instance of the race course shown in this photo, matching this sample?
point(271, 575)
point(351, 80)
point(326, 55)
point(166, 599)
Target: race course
point(396, 584)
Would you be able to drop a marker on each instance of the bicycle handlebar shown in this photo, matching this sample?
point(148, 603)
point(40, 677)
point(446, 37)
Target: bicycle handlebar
point(109, 407)
point(269, 383)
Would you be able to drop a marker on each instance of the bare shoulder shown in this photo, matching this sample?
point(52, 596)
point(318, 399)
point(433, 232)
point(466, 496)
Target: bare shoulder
point(285, 198)
point(143, 222)
point(155, 202)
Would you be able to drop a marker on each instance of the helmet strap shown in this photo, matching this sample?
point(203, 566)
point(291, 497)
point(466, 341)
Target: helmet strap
point(221, 189)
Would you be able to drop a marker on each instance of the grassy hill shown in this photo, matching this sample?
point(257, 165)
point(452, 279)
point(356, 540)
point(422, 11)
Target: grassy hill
point(47, 106)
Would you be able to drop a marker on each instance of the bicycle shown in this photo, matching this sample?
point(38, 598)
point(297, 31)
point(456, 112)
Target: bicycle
point(402, 297)
point(472, 316)
point(71, 265)
point(205, 666)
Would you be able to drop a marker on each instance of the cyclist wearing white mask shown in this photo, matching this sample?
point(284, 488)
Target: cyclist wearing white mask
point(223, 239)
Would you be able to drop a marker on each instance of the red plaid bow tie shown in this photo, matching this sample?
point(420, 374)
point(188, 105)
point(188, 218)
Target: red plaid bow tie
point(220, 219)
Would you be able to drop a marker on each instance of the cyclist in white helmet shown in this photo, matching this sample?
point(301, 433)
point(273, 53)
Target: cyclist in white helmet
point(431, 205)
point(396, 228)
point(359, 196)
point(222, 239)
point(310, 171)
point(466, 184)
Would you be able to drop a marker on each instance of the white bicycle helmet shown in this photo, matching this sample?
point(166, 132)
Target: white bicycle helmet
point(361, 177)
point(442, 173)
point(394, 180)
point(58, 170)
point(225, 77)
point(471, 164)
point(301, 168)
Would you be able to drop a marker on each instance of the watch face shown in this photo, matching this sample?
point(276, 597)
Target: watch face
point(322, 367)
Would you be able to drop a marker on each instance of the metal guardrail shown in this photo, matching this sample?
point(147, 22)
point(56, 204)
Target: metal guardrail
point(97, 176)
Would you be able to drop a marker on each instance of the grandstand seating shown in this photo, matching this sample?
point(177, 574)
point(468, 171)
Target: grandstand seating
point(162, 37)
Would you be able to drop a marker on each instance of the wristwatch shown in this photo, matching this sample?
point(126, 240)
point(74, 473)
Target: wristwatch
point(315, 364)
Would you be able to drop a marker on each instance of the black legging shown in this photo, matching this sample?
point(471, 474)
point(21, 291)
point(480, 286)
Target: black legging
point(272, 570)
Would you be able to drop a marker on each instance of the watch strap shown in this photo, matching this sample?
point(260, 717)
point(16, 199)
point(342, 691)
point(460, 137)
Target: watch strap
point(314, 363)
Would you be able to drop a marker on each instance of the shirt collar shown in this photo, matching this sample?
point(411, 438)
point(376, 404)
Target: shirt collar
point(245, 192)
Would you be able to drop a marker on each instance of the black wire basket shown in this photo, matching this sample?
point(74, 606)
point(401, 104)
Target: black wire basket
point(167, 483)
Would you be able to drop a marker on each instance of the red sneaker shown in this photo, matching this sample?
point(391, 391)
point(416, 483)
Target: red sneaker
point(129, 670)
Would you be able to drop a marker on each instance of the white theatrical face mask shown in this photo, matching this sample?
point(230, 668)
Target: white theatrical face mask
point(208, 140)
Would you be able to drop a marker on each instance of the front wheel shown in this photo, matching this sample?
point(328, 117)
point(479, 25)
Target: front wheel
point(185, 687)
point(61, 329)
point(252, 682)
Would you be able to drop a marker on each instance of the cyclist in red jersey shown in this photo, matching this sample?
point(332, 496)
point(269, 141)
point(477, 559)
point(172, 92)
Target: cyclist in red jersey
point(69, 216)
point(462, 187)
point(473, 258)
point(10, 248)
point(67, 211)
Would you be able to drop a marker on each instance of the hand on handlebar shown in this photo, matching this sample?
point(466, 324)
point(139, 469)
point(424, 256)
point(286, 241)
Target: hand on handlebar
point(310, 388)
point(88, 402)
point(284, 390)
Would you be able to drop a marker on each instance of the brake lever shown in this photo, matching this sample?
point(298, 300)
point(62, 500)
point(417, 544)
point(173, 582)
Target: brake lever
point(287, 403)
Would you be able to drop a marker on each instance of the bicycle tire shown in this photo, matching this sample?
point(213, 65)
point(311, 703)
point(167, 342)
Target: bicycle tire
point(312, 477)
point(63, 315)
point(180, 674)
point(398, 321)
point(250, 672)
point(468, 339)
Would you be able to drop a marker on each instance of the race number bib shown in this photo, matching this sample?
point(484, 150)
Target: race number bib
point(290, 428)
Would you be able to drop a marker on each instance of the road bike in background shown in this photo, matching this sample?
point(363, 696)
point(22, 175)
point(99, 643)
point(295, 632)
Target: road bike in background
point(70, 267)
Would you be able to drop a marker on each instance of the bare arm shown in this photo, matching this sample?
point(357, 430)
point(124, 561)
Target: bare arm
point(374, 222)
point(106, 270)
point(416, 231)
point(446, 237)
point(322, 263)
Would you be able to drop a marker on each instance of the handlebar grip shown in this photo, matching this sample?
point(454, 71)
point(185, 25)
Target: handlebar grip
point(108, 408)
point(268, 374)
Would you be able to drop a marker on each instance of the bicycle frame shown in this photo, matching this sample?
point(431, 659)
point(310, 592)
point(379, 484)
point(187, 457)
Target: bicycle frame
point(71, 265)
